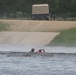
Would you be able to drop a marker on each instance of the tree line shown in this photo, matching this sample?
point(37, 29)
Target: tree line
point(62, 9)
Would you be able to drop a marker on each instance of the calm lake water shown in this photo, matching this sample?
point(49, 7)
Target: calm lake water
point(58, 64)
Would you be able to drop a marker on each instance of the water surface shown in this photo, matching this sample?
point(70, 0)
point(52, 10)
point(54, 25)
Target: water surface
point(62, 64)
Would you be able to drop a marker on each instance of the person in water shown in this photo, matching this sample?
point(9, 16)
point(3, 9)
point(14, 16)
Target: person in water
point(32, 50)
point(41, 50)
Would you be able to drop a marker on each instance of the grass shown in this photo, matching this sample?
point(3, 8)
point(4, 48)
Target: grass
point(65, 38)
point(4, 26)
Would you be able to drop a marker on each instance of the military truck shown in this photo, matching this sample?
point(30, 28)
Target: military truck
point(40, 12)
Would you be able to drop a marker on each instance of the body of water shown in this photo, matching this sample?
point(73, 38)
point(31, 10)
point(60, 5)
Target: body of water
point(58, 64)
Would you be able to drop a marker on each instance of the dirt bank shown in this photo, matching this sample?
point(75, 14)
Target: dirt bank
point(39, 26)
point(28, 32)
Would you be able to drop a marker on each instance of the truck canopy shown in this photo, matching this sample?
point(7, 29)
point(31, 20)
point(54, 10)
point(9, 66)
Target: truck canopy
point(40, 9)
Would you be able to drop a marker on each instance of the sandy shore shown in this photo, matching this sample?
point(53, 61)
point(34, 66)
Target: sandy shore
point(28, 32)
point(26, 38)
